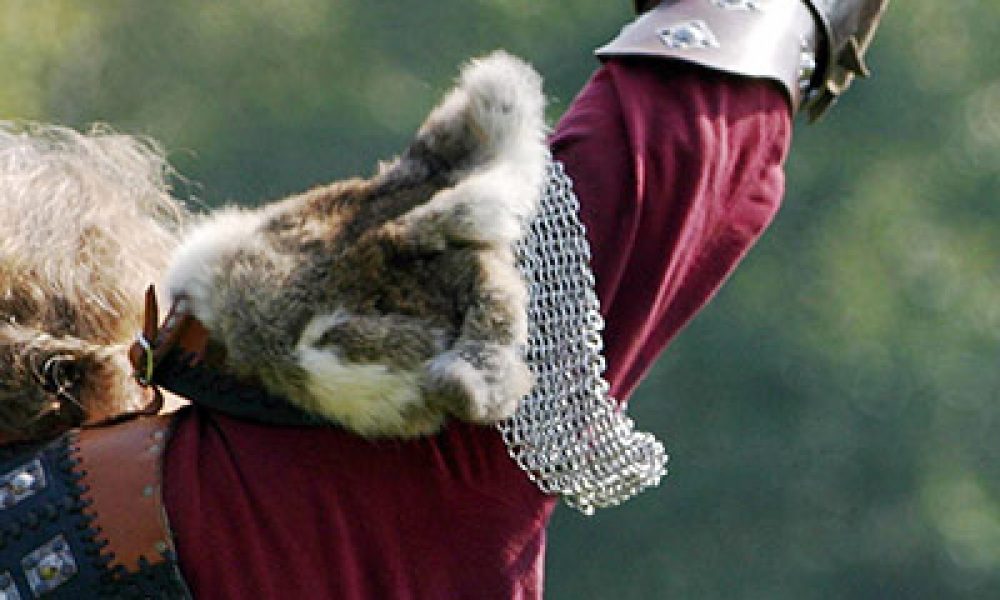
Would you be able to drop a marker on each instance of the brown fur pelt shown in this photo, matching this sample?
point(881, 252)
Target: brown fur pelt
point(385, 304)
point(86, 223)
point(389, 303)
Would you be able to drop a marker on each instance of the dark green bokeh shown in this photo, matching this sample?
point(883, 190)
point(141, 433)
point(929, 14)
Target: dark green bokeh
point(832, 416)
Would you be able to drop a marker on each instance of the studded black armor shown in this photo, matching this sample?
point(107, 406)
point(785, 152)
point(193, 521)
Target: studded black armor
point(57, 539)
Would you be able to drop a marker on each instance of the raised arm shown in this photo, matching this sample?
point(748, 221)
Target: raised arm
point(676, 148)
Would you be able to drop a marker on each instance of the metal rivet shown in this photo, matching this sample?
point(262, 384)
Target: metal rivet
point(147, 491)
point(49, 566)
point(748, 5)
point(161, 547)
point(22, 482)
point(689, 35)
point(8, 589)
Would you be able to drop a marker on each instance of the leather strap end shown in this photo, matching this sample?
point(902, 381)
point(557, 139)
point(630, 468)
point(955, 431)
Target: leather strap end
point(151, 319)
point(140, 354)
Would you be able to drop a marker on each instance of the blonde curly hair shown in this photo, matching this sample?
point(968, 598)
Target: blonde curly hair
point(87, 222)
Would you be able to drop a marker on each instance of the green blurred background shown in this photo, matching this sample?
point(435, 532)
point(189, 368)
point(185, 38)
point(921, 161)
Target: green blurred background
point(832, 417)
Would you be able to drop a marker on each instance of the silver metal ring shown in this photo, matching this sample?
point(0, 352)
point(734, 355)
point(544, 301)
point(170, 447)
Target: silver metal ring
point(146, 377)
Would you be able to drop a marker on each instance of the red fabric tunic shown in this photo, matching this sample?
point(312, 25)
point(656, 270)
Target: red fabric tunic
point(678, 171)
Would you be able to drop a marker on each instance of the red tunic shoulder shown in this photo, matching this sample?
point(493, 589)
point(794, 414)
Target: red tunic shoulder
point(678, 171)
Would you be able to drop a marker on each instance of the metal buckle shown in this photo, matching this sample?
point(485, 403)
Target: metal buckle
point(145, 378)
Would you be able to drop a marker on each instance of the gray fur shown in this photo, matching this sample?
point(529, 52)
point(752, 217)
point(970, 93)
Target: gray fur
point(400, 289)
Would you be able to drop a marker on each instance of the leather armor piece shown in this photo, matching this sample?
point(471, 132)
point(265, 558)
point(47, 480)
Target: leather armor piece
point(82, 516)
point(212, 388)
point(813, 48)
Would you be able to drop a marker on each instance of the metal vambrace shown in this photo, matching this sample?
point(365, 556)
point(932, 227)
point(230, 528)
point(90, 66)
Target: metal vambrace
point(812, 48)
point(848, 29)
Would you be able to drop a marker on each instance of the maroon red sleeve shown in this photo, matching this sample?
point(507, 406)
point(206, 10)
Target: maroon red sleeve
point(678, 173)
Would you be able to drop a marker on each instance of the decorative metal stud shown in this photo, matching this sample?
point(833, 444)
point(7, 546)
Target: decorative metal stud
point(49, 566)
point(689, 35)
point(23, 482)
point(747, 5)
point(8, 589)
point(807, 65)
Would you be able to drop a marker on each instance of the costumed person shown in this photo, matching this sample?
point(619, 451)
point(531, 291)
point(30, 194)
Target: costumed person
point(665, 170)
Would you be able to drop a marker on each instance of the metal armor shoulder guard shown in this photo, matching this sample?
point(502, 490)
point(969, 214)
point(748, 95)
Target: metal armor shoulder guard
point(790, 42)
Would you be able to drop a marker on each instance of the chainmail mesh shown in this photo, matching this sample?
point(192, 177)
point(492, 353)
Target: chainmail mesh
point(569, 435)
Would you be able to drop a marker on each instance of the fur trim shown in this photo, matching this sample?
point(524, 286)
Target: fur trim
point(211, 243)
point(388, 303)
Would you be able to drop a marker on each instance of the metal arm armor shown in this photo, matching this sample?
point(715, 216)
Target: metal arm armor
point(813, 48)
point(848, 27)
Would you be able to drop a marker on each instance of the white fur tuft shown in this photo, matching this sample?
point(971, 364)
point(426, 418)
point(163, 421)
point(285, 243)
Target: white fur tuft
point(500, 98)
point(506, 102)
point(370, 399)
point(486, 401)
point(204, 252)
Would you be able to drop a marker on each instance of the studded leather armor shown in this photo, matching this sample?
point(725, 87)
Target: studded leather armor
point(82, 516)
point(813, 48)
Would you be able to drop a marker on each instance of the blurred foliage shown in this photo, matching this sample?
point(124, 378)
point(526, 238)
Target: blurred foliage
point(833, 416)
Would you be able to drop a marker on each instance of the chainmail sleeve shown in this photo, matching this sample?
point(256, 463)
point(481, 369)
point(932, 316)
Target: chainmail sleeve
point(569, 435)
